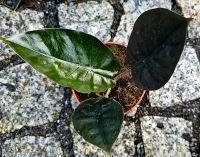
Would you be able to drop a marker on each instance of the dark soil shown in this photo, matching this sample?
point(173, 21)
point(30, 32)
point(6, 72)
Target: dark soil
point(126, 94)
point(123, 92)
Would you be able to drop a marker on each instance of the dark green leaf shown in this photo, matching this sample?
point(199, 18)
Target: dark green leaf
point(155, 46)
point(99, 120)
point(70, 58)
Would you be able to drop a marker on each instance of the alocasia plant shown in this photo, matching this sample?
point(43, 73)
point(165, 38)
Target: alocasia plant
point(80, 61)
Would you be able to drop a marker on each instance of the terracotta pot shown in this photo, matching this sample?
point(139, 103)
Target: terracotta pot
point(134, 106)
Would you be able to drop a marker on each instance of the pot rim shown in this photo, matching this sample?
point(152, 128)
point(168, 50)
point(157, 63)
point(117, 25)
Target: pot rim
point(114, 43)
point(136, 103)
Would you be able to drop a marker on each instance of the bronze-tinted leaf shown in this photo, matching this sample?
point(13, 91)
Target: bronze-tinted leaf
point(155, 46)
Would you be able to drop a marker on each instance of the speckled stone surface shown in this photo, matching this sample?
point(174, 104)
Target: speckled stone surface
point(12, 22)
point(191, 9)
point(163, 136)
point(184, 85)
point(31, 146)
point(133, 9)
point(92, 17)
point(35, 100)
point(123, 146)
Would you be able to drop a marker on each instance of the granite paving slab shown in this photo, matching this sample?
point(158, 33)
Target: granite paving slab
point(184, 84)
point(165, 136)
point(133, 9)
point(31, 146)
point(12, 22)
point(191, 9)
point(123, 146)
point(91, 17)
point(27, 98)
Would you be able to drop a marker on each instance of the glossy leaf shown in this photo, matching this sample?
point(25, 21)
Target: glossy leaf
point(98, 121)
point(70, 58)
point(155, 46)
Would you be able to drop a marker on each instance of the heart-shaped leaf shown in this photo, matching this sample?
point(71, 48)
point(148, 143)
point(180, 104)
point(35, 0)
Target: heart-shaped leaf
point(99, 120)
point(70, 58)
point(155, 46)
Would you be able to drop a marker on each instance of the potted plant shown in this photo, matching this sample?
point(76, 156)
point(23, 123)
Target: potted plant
point(128, 95)
point(80, 61)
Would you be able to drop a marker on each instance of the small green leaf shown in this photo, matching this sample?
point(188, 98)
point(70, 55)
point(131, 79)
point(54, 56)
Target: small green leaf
point(98, 121)
point(70, 58)
point(155, 46)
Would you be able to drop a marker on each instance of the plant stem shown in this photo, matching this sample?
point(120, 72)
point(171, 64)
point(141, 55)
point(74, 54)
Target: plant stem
point(1, 38)
point(17, 5)
point(108, 92)
point(98, 94)
point(124, 75)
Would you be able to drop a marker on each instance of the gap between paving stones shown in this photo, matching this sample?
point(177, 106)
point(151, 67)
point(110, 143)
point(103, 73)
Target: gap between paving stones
point(183, 112)
point(10, 62)
point(118, 13)
point(189, 111)
point(50, 20)
point(65, 136)
point(62, 127)
point(196, 45)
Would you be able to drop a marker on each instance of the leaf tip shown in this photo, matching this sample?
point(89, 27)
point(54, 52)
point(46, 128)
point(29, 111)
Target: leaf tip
point(2, 39)
point(108, 150)
point(189, 19)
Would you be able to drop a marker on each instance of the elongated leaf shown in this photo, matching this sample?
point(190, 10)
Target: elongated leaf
point(155, 46)
point(70, 58)
point(99, 120)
